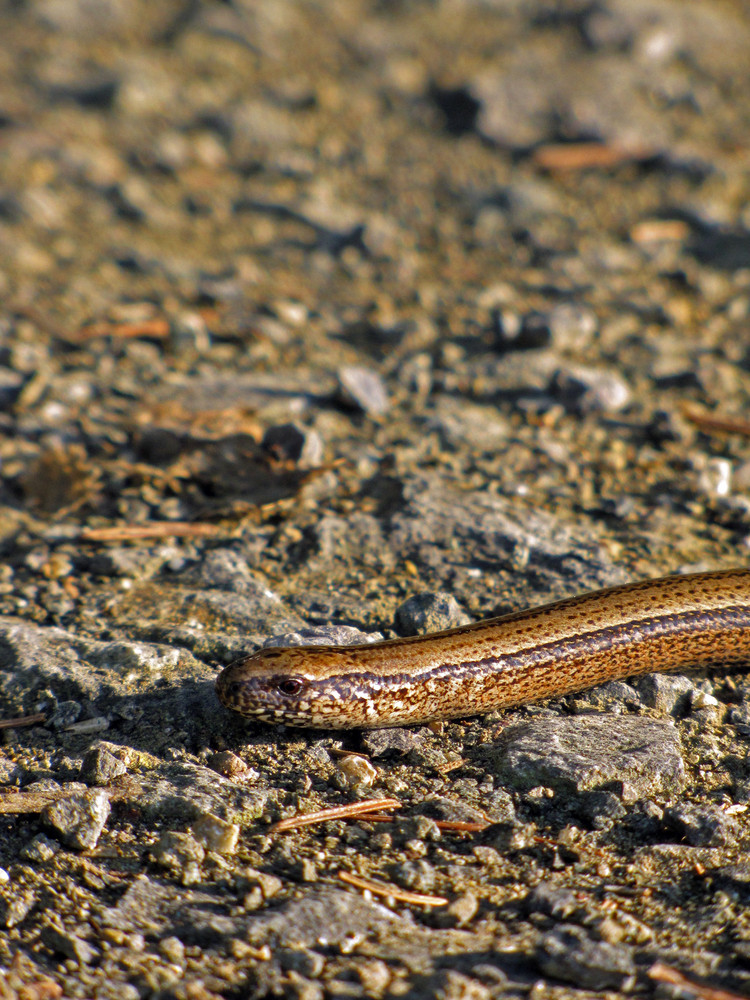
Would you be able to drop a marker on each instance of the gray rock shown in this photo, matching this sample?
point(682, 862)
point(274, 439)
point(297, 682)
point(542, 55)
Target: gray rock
point(498, 806)
point(10, 772)
point(80, 818)
point(452, 810)
point(635, 756)
point(40, 849)
point(188, 331)
point(11, 384)
point(306, 962)
point(185, 791)
point(590, 390)
point(669, 694)
point(224, 569)
point(175, 850)
point(363, 388)
point(144, 907)
point(379, 742)
point(68, 667)
point(572, 326)
point(65, 714)
point(530, 333)
point(568, 953)
point(701, 826)
point(418, 875)
point(323, 635)
point(429, 612)
point(460, 911)
point(739, 715)
point(323, 919)
point(614, 696)
point(100, 767)
point(461, 424)
point(145, 659)
point(15, 908)
point(601, 809)
point(552, 902)
point(450, 984)
point(63, 942)
point(190, 914)
point(126, 562)
point(734, 878)
point(334, 536)
point(478, 525)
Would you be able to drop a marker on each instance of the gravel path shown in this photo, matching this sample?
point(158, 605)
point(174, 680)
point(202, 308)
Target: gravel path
point(348, 319)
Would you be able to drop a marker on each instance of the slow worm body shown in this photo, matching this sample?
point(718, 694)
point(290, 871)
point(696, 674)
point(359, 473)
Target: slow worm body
point(697, 620)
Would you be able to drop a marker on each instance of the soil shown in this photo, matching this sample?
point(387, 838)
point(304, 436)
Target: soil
point(308, 310)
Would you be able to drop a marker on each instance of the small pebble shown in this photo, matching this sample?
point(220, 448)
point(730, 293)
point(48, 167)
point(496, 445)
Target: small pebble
point(99, 767)
point(429, 612)
point(363, 388)
point(40, 849)
point(62, 942)
point(356, 772)
point(229, 765)
point(216, 834)
point(175, 848)
point(14, 911)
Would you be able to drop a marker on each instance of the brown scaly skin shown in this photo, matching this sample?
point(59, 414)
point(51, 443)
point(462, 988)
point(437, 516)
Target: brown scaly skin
point(698, 620)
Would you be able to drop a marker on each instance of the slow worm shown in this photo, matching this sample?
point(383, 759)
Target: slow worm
point(678, 621)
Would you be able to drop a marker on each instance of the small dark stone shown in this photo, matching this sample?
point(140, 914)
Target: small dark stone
point(557, 903)
point(65, 714)
point(306, 962)
point(11, 384)
point(532, 332)
point(734, 878)
point(601, 808)
point(451, 810)
point(291, 443)
point(568, 953)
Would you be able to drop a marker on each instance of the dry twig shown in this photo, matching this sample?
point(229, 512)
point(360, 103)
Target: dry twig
point(668, 974)
point(154, 529)
point(392, 891)
point(705, 420)
point(335, 812)
point(23, 720)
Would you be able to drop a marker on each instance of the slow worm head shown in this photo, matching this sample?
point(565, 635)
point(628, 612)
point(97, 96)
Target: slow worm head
point(675, 622)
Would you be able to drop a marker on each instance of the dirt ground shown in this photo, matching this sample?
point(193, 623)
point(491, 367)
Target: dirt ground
point(307, 310)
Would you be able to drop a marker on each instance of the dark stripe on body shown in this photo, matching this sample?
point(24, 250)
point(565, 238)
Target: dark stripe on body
point(688, 624)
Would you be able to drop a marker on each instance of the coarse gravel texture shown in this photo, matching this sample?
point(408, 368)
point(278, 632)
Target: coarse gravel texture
point(327, 320)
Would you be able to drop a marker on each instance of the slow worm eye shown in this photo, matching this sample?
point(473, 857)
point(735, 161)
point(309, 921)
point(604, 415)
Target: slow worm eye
point(290, 686)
